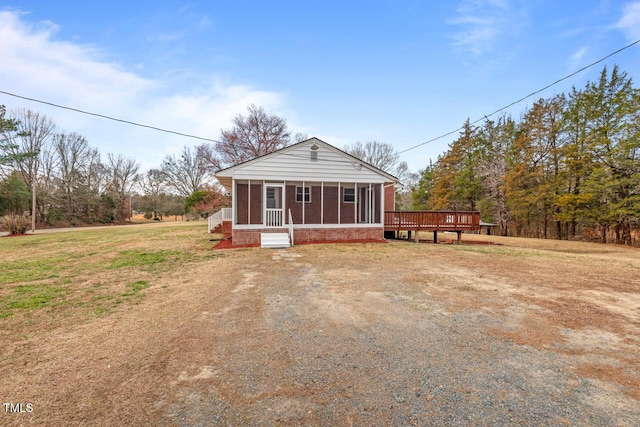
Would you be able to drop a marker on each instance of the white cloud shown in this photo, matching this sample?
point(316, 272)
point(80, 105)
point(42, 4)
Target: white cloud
point(37, 65)
point(575, 61)
point(204, 114)
point(630, 21)
point(481, 23)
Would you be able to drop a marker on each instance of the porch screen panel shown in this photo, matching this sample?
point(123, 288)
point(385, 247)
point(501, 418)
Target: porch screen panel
point(256, 203)
point(330, 203)
point(375, 189)
point(312, 209)
point(290, 203)
point(242, 208)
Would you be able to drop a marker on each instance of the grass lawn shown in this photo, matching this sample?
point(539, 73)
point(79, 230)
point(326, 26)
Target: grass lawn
point(56, 278)
point(148, 325)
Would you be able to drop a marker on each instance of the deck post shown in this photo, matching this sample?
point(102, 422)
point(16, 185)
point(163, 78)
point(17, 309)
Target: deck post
point(435, 236)
point(417, 239)
point(459, 237)
point(408, 234)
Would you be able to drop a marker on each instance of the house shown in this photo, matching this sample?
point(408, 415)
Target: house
point(310, 192)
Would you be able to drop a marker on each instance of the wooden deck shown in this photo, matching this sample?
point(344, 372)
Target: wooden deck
point(434, 221)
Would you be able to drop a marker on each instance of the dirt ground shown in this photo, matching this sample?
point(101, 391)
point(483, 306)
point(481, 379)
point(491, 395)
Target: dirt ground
point(528, 333)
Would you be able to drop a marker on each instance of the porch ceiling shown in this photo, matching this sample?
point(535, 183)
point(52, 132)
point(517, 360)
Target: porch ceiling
point(226, 182)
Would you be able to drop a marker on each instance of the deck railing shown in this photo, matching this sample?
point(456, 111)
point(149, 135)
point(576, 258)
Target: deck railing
point(224, 214)
point(431, 220)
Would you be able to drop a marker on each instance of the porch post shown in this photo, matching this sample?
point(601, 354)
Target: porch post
point(303, 202)
point(264, 203)
point(370, 207)
point(382, 204)
point(234, 203)
point(249, 202)
point(322, 202)
point(339, 203)
point(355, 202)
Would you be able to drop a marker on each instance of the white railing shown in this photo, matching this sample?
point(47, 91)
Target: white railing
point(273, 217)
point(224, 214)
point(290, 229)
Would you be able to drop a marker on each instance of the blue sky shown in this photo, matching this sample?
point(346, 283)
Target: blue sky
point(400, 72)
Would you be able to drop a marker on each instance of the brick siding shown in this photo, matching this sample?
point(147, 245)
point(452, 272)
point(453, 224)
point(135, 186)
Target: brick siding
point(311, 235)
point(389, 197)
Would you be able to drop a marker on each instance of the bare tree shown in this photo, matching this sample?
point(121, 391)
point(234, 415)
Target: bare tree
point(34, 132)
point(185, 174)
point(47, 179)
point(209, 156)
point(96, 176)
point(299, 137)
point(74, 157)
point(381, 155)
point(122, 175)
point(153, 184)
point(255, 135)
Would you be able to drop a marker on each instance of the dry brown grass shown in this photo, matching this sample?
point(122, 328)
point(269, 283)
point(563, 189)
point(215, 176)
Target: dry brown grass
point(122, 326)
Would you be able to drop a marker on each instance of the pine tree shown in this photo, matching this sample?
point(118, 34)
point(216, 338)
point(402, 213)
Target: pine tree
point(614, 186)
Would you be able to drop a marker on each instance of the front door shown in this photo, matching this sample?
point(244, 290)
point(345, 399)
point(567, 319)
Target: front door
point(274, 212)
point(366, 205)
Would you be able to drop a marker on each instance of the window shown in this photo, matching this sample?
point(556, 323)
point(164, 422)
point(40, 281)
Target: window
point(349, 195)
point(303, 192)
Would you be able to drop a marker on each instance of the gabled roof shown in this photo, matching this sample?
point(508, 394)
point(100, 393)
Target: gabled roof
point(225, 175)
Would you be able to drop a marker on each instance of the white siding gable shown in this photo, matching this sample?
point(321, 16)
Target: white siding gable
point(295, 163)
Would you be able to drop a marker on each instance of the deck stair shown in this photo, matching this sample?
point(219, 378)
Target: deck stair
point(224, 215)
point(274, 240)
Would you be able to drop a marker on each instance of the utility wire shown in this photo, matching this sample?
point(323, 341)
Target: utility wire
point(109, 117)
point(486, 116)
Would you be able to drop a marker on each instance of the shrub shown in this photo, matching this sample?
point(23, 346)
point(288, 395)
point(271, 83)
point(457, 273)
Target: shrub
point(15, 224)
point(53, 215)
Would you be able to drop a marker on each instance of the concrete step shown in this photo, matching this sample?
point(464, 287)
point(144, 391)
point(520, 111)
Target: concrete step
point(274, 240)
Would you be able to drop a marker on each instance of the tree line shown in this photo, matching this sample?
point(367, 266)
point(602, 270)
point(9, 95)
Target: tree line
point(568, 168)
point(58, 178)
point(65, 177)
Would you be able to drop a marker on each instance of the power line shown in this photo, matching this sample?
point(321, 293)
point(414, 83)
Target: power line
point(109, 117)
point(524, 97)
point(399, 152)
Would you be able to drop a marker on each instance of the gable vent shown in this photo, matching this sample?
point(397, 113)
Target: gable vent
point(314, 153)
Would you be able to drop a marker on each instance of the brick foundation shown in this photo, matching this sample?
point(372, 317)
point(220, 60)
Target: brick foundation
point(311, 235)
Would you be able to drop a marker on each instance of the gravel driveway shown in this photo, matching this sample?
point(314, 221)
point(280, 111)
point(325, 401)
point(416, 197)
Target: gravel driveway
point(307, 337)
